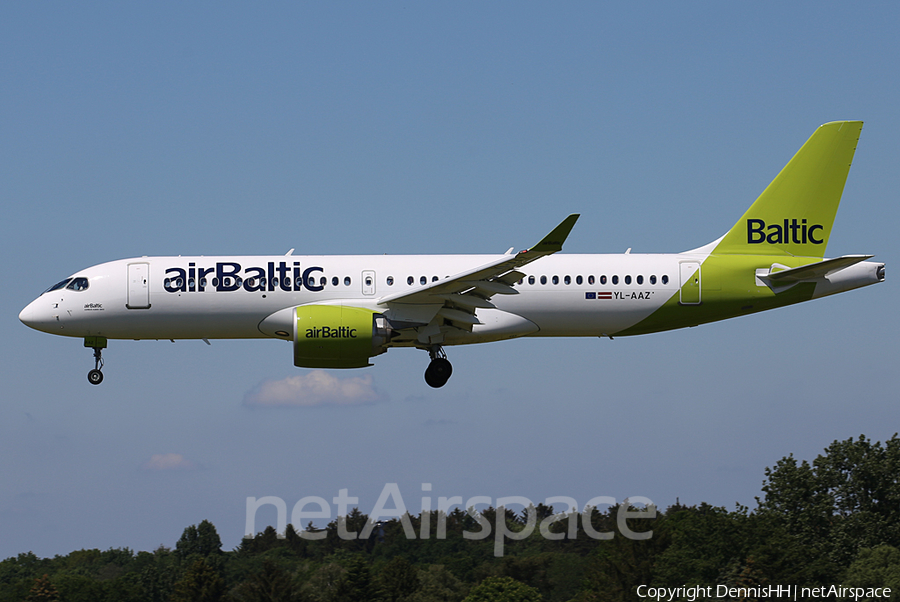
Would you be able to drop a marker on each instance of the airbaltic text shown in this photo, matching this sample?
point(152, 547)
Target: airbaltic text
point(790, 231)
point(341, 332)
point(229, 276)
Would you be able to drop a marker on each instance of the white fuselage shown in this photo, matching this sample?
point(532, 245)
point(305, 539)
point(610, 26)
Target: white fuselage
point(552, 295)
point(560, 295)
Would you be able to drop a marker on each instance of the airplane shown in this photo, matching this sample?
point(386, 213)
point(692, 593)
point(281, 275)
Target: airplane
point(341, 311)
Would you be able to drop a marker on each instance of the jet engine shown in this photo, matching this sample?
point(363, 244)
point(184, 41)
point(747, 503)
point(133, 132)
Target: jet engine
point(334, 336)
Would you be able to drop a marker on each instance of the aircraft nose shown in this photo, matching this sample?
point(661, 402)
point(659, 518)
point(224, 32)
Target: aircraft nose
point(33, 317)
point(26, 316)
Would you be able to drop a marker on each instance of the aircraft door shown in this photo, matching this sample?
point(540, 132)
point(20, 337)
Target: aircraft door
point(138, 286)
point(368, 282)
point(690, 283)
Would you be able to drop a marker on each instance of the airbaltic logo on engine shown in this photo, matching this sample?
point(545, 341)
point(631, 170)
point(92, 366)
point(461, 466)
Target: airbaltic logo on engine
point(230, 276)
point(790, 231)
point(341, 332)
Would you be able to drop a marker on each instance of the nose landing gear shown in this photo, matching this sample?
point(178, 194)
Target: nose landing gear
point(95, 376)
point(439, 370)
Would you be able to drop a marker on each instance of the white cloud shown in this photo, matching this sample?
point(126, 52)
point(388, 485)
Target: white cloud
point(168, 462)
point(316, 388)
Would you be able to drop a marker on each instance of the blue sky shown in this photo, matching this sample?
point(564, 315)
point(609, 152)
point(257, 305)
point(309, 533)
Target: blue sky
point(355, 128)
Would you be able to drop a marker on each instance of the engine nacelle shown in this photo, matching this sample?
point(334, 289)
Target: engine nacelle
point(333, 336)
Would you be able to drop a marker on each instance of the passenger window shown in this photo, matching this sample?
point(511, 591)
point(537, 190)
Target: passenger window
point(323, 281)
point(627, 279)
point(543, 280)
point(652, 279)
point(531, 280)
point(590, 280)
point(521, 280)
point(640, 280)
point(434, 278)
point(578, 279)
point(423, 280)
point(78, 284)
point(335, 281)
point(567, 280)
point(665, 279)
point(346, 280)
point(410, 280)
point(556, 280)
point(298, 283)
point(390, 281)
point(603, 279)
point(615, 280)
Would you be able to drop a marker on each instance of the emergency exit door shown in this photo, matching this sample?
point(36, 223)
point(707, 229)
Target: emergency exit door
point(690, 283)
point(138, 286)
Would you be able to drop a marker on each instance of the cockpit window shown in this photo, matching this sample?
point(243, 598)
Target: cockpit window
point(78, 284)
point(58, 285)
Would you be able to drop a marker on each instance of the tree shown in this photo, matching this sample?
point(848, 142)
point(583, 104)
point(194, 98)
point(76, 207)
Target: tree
point(155, 584)
point(202, 539)
point(270, 584)
point(503, 589)
point(703, 540)
point(397, 580)
point(42, 591)
point(327, 584)
point(359, 581)
point(436, 583)
point(846, 500)
point(201, 583)
point(875, 567)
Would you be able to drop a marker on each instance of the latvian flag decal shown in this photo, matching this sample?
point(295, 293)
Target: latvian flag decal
point(598, 295)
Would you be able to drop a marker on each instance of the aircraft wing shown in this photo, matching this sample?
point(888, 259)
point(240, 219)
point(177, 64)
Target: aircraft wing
point(473, 288)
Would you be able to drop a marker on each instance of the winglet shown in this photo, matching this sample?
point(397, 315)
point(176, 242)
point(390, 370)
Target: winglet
point(553, 242)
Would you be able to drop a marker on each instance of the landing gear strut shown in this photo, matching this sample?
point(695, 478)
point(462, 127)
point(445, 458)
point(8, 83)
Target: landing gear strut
point(95, 376)
point(439, 370)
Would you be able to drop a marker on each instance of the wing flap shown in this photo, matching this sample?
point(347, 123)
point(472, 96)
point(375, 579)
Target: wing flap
point(468, 300)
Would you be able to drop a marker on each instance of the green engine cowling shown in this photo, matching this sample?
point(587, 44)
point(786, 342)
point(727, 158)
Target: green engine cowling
point(333, 336)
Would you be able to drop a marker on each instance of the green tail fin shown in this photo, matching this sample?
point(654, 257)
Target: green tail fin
point(794, 214)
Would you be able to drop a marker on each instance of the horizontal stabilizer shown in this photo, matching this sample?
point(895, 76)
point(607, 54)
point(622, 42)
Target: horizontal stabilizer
point(814, 270)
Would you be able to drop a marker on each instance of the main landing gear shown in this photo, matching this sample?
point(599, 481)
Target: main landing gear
point(95, 376)
point(439, 370)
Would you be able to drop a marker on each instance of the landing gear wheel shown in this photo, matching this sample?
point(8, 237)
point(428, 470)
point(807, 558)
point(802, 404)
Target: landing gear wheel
point(98, 344)
point(438, 372)
point(95, 377)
